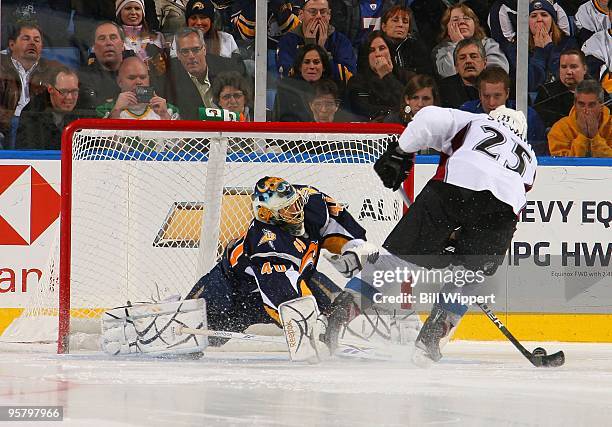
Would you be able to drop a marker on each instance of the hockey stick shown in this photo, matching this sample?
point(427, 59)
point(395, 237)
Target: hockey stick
point(538, 357)
point(179, 330)
point(351, 348)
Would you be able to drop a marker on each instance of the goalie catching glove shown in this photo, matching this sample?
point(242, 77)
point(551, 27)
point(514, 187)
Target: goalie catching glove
point(394, 166)
point(355, 254)
point(151, 328)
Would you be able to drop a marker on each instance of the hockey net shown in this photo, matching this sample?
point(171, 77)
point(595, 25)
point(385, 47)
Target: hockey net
point(147, 208)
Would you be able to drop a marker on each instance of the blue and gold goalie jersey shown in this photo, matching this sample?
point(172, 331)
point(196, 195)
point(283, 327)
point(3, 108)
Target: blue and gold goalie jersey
point(279, 264)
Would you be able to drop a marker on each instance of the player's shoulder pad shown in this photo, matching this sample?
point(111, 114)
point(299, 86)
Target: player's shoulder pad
point(315, 210)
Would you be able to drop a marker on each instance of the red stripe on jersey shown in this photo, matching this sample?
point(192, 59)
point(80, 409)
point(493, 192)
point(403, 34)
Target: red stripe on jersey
point(456, 143)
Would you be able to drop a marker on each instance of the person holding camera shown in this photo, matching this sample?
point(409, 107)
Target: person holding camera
point(137, 99)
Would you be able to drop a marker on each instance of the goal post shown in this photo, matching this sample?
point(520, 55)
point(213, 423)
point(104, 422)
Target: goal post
point(147, 206)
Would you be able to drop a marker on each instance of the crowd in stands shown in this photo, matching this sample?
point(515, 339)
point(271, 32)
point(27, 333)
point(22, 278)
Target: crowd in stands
point(328, 61)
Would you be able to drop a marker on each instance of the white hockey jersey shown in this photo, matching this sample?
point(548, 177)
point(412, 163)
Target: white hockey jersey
point(592, 17)
point(476, 152)
point(599, 45)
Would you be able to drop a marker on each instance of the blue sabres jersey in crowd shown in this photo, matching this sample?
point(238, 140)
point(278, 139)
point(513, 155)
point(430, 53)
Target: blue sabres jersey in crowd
point(279, 264)
point(371, 12)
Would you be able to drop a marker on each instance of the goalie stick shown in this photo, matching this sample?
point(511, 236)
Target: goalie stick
point(349, 348)
point(538, 357)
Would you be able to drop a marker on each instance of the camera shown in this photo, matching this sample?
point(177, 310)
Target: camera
point(144, 94)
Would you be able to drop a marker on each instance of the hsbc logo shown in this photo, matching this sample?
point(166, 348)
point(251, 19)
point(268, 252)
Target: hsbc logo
point(28, 205)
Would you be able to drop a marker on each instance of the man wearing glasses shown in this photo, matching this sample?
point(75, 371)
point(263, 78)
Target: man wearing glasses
point(191, 75)
point(44, 118)
point(316, 29)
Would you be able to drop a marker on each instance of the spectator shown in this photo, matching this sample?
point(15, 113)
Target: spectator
point(23, 74)
point(420, 91)
point(171, 15)
point(502, 20)
point(592, 16)
point(460, 22)
point(375, 90)
point(315, 29)
point(282, 18)
point(146, 44)
point(428, 15)
point(89, 14)
point(546, 42)
point(324, 101)
point(470, 60)
point(598, 53)
point(46, 116)
point(99, 78)
point(52, 17)
point(409, 52)
point(494, 91)
point(189, 81)
point(200, 14)
point(232, 92)
point(130, 104)
point(356, 18)
point(311, 65)
point(555, 99)
point(587, 131)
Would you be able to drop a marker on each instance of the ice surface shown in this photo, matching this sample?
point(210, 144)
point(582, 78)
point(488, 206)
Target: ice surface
point(476, 384)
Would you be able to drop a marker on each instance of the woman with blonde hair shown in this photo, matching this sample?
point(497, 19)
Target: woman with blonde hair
point(460, 22)
point(546, 42)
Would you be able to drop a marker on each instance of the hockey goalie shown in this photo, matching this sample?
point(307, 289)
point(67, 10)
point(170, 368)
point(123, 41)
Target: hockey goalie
point(269, 275)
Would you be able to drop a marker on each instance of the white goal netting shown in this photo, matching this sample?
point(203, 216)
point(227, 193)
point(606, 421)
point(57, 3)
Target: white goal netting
point(151, 210)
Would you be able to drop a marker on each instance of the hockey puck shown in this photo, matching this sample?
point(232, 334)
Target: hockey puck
point(539, 351)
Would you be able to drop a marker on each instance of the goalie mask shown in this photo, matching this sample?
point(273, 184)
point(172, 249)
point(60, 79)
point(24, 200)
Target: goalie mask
point(277, 202)
point(512, 119)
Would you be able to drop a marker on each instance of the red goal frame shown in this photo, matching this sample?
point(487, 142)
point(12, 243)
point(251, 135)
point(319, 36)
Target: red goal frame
point(170, 126)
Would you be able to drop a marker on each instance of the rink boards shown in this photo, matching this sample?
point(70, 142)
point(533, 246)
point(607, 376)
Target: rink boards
point(541, 293)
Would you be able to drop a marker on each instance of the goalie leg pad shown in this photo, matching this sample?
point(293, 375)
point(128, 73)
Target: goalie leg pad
point(150, 328)
point(302, 327)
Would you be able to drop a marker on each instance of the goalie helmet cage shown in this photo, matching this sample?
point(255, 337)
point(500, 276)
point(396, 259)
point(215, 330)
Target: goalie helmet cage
point(147, 206)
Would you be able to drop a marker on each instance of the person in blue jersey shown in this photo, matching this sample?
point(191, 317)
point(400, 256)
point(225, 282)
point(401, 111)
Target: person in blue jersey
point(276, 259)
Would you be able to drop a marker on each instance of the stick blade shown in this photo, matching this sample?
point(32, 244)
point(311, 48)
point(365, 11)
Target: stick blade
point(553, 360)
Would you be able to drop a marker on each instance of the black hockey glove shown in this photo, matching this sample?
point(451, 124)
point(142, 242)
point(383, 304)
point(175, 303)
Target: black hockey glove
point(393, 166)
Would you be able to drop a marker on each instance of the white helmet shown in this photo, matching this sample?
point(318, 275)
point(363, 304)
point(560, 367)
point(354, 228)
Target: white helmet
point(512, 119)
point(275, 201)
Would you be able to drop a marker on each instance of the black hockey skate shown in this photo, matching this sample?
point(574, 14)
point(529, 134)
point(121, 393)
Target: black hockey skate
point(342, 311)
point(437, 327)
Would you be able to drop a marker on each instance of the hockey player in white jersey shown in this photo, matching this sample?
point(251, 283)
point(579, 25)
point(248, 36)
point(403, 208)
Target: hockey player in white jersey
point(485, 169)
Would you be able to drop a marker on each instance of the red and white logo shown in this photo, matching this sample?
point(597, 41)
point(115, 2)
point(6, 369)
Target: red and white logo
point(28, 205)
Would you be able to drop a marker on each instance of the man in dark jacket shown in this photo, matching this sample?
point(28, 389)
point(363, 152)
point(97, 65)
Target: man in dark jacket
point(190, 75)
point(470, 60)
point(23, 75)
point(89, 13)
point(44, 118)
point(316, 29)
point(555, 99)
point(99, 78)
